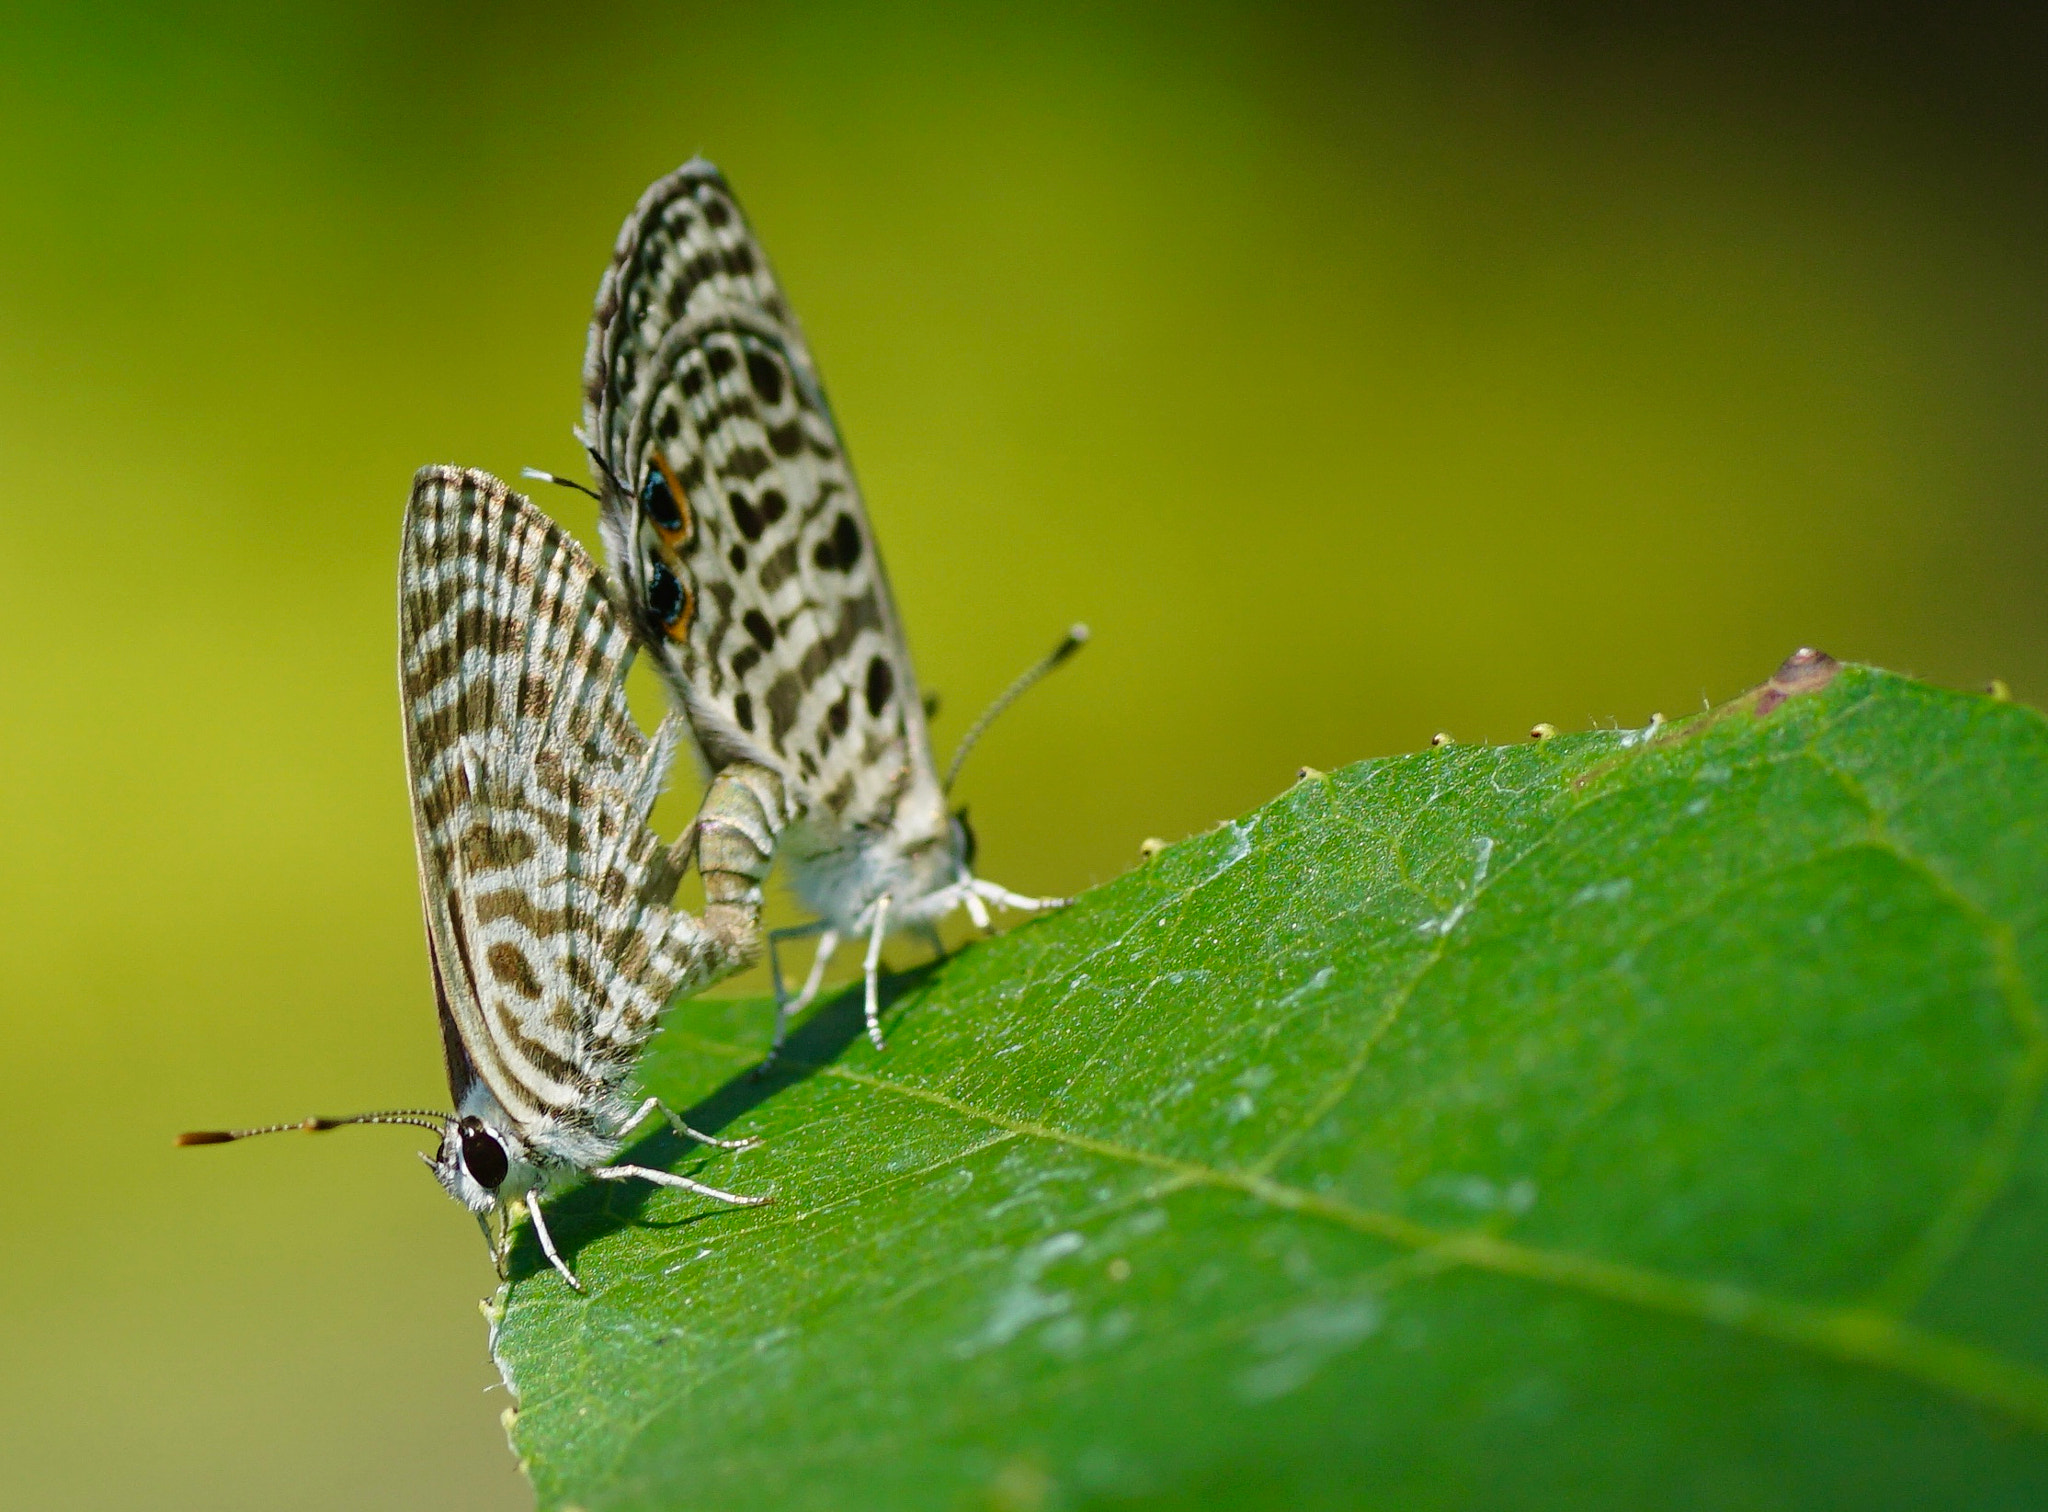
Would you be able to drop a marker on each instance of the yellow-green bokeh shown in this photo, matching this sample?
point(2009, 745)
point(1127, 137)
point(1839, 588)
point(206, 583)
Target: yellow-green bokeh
point(1354, 378)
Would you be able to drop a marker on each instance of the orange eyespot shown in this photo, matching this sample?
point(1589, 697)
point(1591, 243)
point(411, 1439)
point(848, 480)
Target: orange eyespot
point(670, 603)
point(665, 505)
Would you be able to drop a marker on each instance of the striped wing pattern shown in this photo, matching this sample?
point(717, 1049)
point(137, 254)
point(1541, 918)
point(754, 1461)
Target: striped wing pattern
point(546, 894)
point(731, 513)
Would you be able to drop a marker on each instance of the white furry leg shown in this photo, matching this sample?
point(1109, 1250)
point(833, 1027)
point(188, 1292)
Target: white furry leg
point(786, 1007)
point(872, 969)
point(669, 1179)
point(547, 1241)
point(495, 1242)
point(1002, 897)
point(655, 1104)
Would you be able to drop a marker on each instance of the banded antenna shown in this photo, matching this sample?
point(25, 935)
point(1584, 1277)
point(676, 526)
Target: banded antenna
point(419, 1118)
point(1076, 638)
point(547, 477)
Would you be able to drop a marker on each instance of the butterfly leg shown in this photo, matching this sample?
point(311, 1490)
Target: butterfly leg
point(775, 939)
point(494, 1241)
point(786, 1007)
point(547, 1241)
point(675, 1121)
point(1002, 897)
point(670, 1179)
point(871, 968)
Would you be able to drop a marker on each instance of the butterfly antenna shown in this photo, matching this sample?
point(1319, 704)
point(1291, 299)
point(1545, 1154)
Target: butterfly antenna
point(419, 1118)
point(547, 477)
point(604, 467)
point(1076, 638)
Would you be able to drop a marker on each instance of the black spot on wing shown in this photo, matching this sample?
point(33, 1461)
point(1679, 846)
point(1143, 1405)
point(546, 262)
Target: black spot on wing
point(881, 684)
point(776, 569)
point(845, 542)
point(766, 375)
point(745, 515)
point(747, 462)
point(783, 696)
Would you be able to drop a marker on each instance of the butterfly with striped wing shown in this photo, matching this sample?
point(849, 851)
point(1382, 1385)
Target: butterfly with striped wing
point(550, 929)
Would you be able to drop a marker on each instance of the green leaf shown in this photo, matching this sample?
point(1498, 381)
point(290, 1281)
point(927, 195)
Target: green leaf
point(1631, 1119)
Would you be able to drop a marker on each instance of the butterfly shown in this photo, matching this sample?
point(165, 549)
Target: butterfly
point(746, 564)
point(550, 929)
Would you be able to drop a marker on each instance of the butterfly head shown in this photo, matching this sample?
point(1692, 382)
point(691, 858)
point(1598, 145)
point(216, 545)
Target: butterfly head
point(964, 843)
point(479, 1162)
point(482, 1167)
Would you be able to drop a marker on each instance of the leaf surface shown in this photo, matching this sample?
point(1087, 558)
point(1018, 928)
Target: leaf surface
point(1637, 1118)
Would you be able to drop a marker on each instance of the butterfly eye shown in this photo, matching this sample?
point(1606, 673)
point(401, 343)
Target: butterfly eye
point(662, 501)
point(482, 1155)
point(668, 601)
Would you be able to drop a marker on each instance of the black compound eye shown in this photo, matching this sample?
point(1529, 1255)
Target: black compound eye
point(658, 501)
point(482, 1155)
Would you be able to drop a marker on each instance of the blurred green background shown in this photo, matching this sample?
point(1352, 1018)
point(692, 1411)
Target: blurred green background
point(1357, 375)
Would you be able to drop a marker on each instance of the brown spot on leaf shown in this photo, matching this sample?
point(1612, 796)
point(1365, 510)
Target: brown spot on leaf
point(1804, 671)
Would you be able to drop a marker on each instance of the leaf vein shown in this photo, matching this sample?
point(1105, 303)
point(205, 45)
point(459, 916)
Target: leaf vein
point(1850, 1336)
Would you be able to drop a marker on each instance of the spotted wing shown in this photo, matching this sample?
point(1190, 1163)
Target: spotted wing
point(546, 894)
point(732, 517)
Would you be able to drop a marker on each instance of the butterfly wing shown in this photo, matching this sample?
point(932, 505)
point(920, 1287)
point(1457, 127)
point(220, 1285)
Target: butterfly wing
point(546, 894)
point(732, 517)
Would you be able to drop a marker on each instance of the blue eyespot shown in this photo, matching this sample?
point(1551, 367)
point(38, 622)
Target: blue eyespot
point(668, 601)
point(658, 502)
